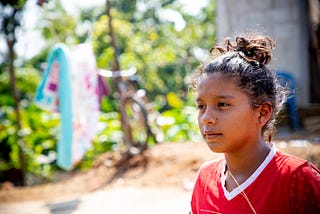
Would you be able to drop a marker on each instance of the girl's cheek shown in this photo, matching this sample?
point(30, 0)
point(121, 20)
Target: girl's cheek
point(199, 120)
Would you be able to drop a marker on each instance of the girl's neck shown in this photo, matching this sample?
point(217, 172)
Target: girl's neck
point(243, 164)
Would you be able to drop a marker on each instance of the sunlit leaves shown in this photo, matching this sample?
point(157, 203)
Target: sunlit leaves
point(163, 54)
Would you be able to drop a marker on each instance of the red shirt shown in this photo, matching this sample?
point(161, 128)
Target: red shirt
point(281, 184)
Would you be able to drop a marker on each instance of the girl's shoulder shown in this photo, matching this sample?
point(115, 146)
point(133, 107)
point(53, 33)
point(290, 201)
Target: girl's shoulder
point(303, 179)
point(213, 163)
point(290, 161)
point(212, 166)
point(210, 170)
point(296, 166)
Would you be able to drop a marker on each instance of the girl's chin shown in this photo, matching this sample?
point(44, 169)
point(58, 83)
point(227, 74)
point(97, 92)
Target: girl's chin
point(214, 147)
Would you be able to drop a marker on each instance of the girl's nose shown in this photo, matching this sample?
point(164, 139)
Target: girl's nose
point(209, 117)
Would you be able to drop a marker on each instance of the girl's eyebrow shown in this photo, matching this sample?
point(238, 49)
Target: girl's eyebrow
point(219, 97)
point(198, 99)
point(223, 97)
point(230, 97)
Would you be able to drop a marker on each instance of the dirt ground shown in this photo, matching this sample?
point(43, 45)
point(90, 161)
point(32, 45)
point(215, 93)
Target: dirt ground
point(165, 165)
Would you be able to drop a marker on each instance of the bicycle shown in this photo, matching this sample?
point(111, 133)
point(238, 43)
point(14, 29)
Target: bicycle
point(133, 114)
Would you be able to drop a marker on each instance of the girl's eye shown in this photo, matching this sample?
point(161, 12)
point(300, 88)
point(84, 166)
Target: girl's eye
point(201, 107)
point(223, 105)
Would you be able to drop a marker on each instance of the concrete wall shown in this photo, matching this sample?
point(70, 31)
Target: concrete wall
point(284, 20)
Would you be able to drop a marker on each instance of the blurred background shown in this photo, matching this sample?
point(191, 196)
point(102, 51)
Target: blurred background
point(165, 40)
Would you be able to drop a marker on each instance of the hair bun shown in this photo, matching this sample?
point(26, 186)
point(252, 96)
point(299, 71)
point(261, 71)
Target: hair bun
point(256, 49)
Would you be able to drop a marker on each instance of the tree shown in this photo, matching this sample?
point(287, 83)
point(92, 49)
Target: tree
point(10, 21)
point(163, 54)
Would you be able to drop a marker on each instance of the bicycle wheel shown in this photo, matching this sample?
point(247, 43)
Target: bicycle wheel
point(135, 125)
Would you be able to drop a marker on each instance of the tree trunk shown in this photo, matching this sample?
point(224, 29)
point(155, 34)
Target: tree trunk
point(113, 39)
point(10, 44)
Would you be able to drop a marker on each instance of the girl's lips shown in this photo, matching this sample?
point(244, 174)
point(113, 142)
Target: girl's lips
point(211, 135)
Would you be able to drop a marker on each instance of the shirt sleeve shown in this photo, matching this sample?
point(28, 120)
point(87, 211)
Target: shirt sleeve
point(304, 190)
point(198, 189)
point(195, 194)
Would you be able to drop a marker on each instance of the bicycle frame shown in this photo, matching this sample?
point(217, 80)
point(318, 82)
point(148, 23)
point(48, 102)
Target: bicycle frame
point(134, 117)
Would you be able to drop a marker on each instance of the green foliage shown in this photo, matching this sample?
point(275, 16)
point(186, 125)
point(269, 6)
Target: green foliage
point(107, 139)
point(57, 25)
point(163, 55)
point(179, 124)
point(38, 128)
point(13, 3)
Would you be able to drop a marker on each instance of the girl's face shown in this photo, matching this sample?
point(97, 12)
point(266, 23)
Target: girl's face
point(227, 121)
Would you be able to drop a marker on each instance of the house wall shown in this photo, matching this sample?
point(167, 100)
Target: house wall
point(285, 21)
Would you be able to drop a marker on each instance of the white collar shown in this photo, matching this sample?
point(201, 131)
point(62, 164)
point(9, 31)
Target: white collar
point(250, 180)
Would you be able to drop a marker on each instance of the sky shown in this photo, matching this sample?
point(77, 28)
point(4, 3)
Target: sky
point(30, 41)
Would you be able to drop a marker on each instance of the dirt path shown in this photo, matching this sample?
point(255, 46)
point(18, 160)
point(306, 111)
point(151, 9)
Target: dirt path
point(120, 200)
point(169, 164)
point(158, 182)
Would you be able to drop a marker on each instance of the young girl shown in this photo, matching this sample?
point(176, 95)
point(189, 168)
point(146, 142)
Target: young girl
point(238, 98)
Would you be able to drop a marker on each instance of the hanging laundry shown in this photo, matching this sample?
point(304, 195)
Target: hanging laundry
point(85, 98)
point(103, 89)
point(70, 86)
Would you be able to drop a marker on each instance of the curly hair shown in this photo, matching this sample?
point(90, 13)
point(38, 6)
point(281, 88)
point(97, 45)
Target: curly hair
point(245, 63)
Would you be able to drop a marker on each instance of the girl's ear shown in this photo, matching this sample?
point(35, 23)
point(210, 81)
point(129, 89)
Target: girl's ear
point(264, 113)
